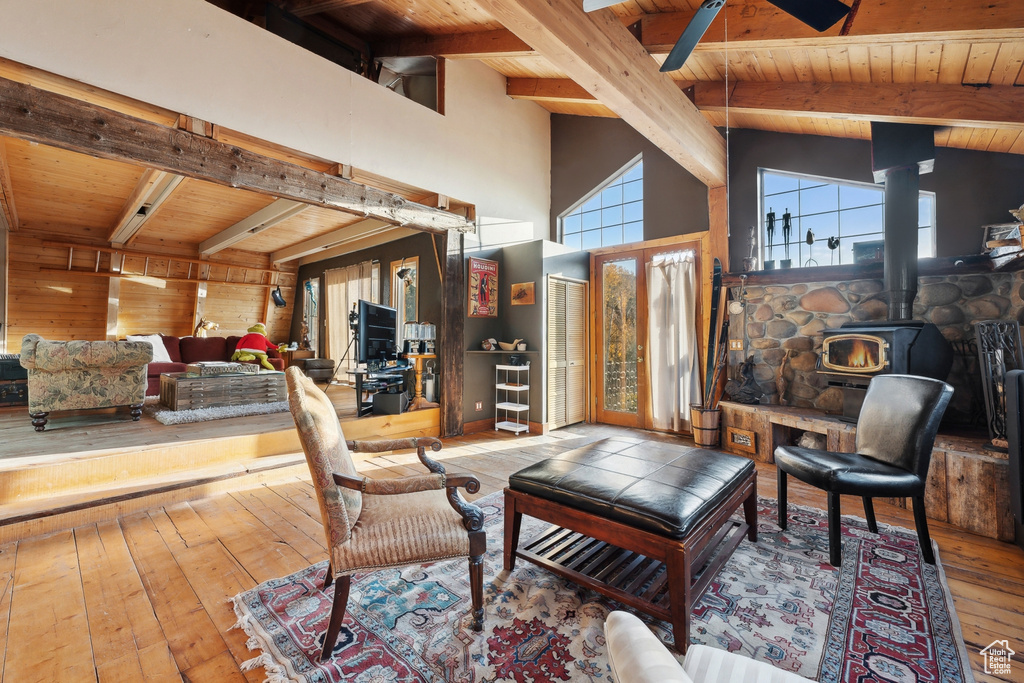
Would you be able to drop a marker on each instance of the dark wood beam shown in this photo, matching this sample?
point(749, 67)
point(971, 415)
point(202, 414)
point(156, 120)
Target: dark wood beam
point(996, 106)
point(7, 207)
point(47, 118)
point(598, 52)
point(762, 26)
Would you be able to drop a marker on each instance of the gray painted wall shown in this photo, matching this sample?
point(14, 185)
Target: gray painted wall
point(971, 188)
point(585, 151)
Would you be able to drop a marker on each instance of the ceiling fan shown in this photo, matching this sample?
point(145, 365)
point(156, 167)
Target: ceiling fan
point(818, 14)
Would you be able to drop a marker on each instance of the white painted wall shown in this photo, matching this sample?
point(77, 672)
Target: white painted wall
point(191, 57)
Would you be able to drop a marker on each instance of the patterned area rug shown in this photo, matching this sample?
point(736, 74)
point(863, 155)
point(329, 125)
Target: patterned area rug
point(167, 416)
point(886, 616)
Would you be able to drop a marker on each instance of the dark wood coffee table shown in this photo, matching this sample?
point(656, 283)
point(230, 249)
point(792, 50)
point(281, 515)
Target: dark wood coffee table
point(647, 524)
point(184, 391)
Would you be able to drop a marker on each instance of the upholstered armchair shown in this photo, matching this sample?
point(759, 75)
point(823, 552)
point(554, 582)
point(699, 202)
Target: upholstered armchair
point(82, 375)
point(376, 524)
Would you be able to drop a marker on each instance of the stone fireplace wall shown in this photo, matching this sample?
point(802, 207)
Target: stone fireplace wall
point(781, 327)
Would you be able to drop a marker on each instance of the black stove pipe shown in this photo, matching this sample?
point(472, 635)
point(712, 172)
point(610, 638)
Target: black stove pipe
point(902, 187)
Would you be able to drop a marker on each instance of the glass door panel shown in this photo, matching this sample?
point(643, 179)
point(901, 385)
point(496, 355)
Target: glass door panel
point(621, 321)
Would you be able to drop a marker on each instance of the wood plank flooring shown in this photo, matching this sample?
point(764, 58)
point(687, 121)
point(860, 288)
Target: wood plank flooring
point(145, 597)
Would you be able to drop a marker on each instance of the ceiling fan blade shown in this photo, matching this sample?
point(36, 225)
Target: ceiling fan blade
point(820, 15)
point(692, 34)
point(591, 5)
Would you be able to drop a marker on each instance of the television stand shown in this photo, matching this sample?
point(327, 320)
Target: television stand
point(371, 383)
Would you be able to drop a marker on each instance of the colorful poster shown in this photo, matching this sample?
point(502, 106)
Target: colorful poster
point(483, 288)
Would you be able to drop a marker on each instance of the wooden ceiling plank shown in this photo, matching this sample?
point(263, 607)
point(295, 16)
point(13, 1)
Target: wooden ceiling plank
point(598, 52)
point(8, 208)
point(980, 61)
point(560, 90)
point(881, 63)
point(1018, 145)
point(928, 61)
point(839, 64)
point(954, 62)
point(1003, 140)
point(492, 44)
point(860, 64)
point(276, 212)
point(1008, 64)
point(305, 8)
point(946, 105)
point(51, 119)
point(904, 63)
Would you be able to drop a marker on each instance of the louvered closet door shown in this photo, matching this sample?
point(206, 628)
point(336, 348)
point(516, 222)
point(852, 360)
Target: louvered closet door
point(557, 364)
point(575, 352)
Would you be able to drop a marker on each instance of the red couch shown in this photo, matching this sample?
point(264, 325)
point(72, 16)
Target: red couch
point(185, 350)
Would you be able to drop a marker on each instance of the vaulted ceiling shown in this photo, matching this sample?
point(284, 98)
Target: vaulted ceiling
point(954, 64)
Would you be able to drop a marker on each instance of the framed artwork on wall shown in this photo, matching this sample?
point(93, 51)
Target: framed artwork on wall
point(483, 288)
point(522, 294)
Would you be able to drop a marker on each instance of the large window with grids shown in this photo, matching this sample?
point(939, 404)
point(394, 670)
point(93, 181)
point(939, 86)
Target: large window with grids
point(612, 213)
point(831, 221)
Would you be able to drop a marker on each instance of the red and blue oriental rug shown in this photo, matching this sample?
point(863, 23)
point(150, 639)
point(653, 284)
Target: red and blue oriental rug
point(885, 616)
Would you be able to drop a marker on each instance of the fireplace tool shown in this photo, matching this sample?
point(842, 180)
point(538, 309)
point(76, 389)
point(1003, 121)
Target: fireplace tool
point(787, 229)
point(770, 230)
point(999, 350)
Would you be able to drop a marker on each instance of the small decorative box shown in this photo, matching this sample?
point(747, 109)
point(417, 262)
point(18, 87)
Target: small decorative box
point(221, 368)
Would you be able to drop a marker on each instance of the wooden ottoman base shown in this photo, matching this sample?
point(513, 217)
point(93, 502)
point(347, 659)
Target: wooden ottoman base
point(657, 575)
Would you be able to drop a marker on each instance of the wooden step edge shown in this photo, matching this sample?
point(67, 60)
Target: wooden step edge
point(112, 511)
point(25, 511)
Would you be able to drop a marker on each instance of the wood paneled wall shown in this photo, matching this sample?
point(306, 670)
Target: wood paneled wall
point(63, 305)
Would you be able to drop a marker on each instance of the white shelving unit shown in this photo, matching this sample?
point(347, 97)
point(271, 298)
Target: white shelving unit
point(512, 398)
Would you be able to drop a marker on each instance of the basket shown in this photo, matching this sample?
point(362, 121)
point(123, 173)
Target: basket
point(705, 423)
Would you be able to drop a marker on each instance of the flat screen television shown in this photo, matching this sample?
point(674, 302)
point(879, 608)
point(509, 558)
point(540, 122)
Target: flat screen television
point(378, 331)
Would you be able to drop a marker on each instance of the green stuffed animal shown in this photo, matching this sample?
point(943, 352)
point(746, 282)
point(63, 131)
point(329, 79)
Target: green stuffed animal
point(254, 345)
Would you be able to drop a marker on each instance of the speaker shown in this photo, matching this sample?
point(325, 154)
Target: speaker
point(390, 404)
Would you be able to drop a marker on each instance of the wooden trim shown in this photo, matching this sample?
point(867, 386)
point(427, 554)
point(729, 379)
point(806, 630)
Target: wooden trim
point(47, 118)
point(959, 265)
point(276, 212)
point(452, 335)
point(128, 253)
point(598, 52)
point(561, 90)
point(8, 211)
point(441, 77)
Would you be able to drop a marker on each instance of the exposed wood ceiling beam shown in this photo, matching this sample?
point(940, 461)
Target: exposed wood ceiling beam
point(335, 238)
point(304, 8)
point(39, 116)
point(7, 208)
point(598, 52)
point(267, 217)
point(928, 103)
point(557, 90)
point(152, 190)
point(764, 26)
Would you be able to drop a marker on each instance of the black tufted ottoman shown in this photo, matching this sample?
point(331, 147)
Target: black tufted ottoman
point(645, 523)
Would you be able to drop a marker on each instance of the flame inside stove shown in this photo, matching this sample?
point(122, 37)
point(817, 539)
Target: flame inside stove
point(855, 354)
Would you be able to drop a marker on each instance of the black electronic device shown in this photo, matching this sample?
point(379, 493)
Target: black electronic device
point(378, 330)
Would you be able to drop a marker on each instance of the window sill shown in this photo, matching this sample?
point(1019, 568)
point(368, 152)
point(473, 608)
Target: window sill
point(977, 263)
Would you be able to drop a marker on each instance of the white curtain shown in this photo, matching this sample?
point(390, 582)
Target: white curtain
point(672, 339)
point(344, 288)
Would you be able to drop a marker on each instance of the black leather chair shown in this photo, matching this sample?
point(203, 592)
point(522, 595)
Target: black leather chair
point(895, 434)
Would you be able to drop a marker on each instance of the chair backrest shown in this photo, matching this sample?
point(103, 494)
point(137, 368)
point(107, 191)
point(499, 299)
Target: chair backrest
point(899, 420)
point(326, 453)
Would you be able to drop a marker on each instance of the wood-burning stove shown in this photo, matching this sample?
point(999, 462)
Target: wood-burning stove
point(855, 352)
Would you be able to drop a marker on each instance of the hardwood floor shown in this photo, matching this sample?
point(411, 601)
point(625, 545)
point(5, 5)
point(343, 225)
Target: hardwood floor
point(146, 596)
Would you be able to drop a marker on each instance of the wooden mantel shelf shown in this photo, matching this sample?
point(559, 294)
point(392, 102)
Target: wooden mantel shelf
point(872, 271)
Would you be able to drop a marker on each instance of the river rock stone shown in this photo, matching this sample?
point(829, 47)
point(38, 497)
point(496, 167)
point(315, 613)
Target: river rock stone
point(785, 303)
point(836, 321)
point(939, 294)
point(799, 289)
point(776, 289)
point(825, 300)
point(764, 344)
point(764, 313)
point(804, 361)
point(781, 329)
point(798, 343)
point(755, 330)
point(813, 328)
point(988, 307)
point(974, 285)
point(764, 373)
point(800, 390)
point(947, 315)
point(830, 400)
point(872, 309)
point(773, 356)
point(866, 286)
point(800, 317)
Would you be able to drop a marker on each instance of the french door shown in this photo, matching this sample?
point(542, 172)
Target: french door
point(620, 371)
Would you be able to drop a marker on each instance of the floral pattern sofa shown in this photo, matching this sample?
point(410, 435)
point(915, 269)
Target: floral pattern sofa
point(185, 350)
point(81, 375)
